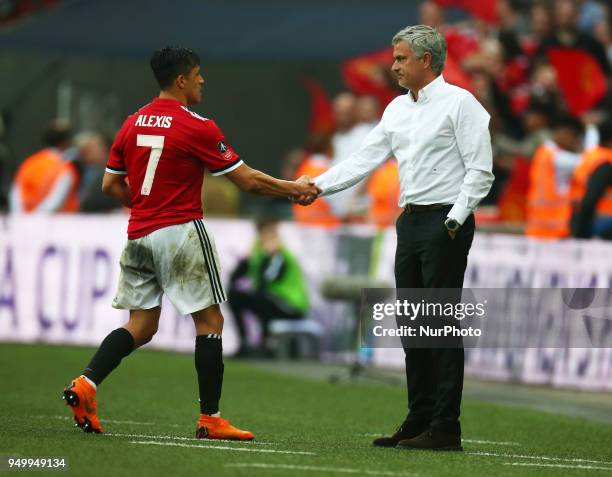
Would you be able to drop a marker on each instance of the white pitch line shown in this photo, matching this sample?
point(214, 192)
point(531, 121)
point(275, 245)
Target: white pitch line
point(340, 470)
point(499, 443)
point(179, 438)
point(241, 449)
point(540, 457)
point(112, 421)
point(565, 466)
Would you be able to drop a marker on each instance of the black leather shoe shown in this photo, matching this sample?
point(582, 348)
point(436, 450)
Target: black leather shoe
point(405, 431)
point(433, 440)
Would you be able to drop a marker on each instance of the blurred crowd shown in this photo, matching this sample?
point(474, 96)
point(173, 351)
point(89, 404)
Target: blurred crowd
point(65, 175)
point(541, 69)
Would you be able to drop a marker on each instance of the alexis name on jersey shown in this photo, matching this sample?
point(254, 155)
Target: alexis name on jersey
point(151, 121)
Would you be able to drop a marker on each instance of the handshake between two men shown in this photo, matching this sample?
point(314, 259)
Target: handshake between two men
point(307, 192)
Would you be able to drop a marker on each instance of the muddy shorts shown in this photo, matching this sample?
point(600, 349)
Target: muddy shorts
point(180, 261)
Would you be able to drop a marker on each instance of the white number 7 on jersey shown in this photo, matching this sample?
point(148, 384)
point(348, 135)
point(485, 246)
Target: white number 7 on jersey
point(156, 143)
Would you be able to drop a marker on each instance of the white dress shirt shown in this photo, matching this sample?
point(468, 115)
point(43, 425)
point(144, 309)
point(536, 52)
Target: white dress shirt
point(442, 145)
point(351, 201)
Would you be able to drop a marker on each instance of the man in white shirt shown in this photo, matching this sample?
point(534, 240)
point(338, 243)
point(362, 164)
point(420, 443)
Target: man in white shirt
point(349, 204)
point(440, 137)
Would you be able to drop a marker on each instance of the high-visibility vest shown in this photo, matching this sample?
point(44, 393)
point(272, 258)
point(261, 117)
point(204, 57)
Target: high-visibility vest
point(591, 160)
point(383, 189)
point(38, 174)
point(290, 287)
point(319, 212)
point(548, 208)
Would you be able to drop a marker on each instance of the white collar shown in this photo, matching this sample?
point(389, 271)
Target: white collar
point(429, 89)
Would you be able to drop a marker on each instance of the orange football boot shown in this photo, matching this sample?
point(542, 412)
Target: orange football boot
point(80, 395)
point(210, 427)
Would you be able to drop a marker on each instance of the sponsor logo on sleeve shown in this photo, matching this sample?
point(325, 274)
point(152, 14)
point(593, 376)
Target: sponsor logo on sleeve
point(224, 150)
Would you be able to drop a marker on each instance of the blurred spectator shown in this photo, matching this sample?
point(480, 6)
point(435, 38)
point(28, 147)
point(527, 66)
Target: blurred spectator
point(431, 14)
point(345, 117)
point(591, 189)
point(367, 112)
point(590, 12)
point(548, 198)
point(566, 34)
point(313, 164)
point(92, 153)
point(461, 40)
point(544, 90)
point(536, 127)
point(351, 204)
point(383, 189)
point(268, 283)
point(47, 181)
point(541, 19)
point(603, 34)
point(511, 18)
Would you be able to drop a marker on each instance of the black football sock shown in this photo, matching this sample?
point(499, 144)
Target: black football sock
point(209, 365)
point(116, 346)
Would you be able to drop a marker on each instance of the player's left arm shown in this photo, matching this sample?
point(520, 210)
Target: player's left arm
point(471, 125)
point(115, 186)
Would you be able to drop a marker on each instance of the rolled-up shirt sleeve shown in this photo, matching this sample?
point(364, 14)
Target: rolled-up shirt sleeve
point(471, 126)
point(374, 150)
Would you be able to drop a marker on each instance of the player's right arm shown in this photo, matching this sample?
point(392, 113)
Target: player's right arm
point(115, 186)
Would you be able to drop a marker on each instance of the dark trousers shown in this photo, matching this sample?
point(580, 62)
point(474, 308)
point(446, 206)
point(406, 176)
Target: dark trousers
point(427, 257)
point(264, 306)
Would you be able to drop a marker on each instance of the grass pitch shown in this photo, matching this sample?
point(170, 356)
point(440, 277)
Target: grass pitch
point(303, 427)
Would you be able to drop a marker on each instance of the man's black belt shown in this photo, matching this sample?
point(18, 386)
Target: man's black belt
point(413, 208)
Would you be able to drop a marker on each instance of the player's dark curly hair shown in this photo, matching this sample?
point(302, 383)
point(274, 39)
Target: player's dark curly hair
point(172, 61)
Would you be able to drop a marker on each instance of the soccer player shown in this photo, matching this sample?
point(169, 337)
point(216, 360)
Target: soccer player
point(163, 149)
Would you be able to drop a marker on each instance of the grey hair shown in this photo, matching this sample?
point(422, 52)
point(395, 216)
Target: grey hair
point(423, 38)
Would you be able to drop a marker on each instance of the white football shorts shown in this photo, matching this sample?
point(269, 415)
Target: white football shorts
point(180, 261)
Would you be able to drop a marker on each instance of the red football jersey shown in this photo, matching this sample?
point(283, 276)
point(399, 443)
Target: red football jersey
point(164, 149)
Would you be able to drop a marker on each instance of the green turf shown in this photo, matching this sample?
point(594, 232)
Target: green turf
point(287, 413)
